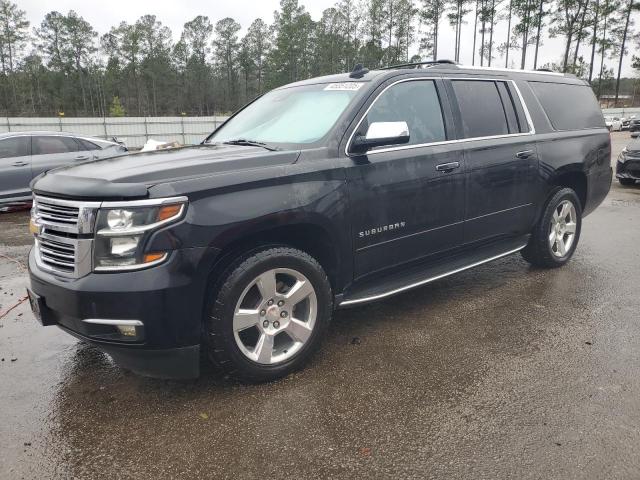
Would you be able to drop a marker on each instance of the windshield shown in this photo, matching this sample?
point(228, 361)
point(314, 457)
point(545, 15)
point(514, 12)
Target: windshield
point(296, 115)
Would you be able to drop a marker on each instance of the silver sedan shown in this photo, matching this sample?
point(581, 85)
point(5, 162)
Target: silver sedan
point(25, 155)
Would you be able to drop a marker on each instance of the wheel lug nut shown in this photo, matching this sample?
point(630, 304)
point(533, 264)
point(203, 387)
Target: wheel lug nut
point(276, 324)
point(283, 314)
point(270, 302)
point(281, 303)
point(265, 324)
point(263, 313)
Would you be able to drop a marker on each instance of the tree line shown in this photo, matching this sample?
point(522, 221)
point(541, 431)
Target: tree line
point(63, 66)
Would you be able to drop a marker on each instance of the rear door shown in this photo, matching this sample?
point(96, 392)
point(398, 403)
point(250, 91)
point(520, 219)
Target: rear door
point(500, 157)
point(407, 201)
point(15, 167)
point(52, 151)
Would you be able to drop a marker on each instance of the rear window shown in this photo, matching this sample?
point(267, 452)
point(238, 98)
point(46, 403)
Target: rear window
point(569, 107)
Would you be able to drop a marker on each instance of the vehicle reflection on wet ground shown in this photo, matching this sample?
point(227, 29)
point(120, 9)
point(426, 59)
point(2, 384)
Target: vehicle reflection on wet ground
point(502, 371)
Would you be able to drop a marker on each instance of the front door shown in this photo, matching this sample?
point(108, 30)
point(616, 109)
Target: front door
point(15, 167)
point(407, 201)
point(500, 157)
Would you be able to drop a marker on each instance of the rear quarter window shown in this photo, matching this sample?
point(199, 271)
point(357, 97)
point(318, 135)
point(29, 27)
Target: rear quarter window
point(569, 107)
point(87, 145)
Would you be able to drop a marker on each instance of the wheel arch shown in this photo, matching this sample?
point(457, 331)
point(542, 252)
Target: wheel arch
point(575, 179)
point(570, 176)
point(306, 234)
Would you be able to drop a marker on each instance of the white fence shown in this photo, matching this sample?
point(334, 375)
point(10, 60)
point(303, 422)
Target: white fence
point(621, 112)
point(133, 131)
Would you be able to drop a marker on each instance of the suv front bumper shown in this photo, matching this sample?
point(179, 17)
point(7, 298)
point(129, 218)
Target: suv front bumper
point(167, 300)
point(629, 169)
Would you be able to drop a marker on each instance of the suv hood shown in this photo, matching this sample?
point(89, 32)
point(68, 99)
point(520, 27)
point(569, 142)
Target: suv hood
point(131, 175)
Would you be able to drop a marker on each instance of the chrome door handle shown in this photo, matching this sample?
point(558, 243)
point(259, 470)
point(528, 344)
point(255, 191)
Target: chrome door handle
point(447, 167)
point(82, 157)
point(524, 154)
point(19, 164)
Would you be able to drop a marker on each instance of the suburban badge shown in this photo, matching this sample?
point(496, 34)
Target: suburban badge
point(382, 229)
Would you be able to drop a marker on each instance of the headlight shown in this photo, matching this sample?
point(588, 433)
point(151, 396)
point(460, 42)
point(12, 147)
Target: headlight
point(123, 231)
point(623, 156)
point(119, 219)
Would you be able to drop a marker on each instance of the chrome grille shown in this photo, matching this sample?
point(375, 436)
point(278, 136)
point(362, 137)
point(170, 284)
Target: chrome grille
point(56, 254)
point(63, 244)
point(68, 216)
point(58, 214)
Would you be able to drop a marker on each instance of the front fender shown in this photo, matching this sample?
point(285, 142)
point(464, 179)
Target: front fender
point(222, 217)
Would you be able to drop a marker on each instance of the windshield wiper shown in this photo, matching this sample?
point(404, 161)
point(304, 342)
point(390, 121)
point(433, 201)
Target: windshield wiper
point(251, 143)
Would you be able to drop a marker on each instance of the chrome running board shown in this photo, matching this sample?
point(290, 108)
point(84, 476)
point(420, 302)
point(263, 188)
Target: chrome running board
point(414, 284)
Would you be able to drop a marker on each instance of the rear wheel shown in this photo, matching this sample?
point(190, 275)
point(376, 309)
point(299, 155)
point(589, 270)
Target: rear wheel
point(627, 181)
point(268, 314)
point(555, 237)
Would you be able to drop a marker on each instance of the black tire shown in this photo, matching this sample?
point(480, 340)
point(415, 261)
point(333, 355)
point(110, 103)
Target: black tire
point(627, 182)
point(220, 341)
point(538, 252)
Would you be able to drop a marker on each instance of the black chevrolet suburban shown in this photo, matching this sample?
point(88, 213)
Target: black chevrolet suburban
point(323, 194)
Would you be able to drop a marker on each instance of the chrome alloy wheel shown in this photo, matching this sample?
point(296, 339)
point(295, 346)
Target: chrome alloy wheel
point(275, 316)
point(562, 230)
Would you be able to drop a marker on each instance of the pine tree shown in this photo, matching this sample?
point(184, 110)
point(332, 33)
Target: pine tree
point(116, 109)
point(431, 15)
point(226, 46)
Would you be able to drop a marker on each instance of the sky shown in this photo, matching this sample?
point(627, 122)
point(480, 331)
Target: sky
point(174, 13)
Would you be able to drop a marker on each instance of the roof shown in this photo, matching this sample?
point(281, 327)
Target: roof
point(443, 68)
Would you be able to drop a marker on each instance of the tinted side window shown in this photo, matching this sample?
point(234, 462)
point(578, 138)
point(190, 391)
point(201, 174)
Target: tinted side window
point(481, 108)
point(14, 147)
point(415, 102)
point(87, 145)
point(569, 107)
point(47, 145)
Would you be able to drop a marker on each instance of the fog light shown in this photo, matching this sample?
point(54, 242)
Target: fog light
point(127, 330)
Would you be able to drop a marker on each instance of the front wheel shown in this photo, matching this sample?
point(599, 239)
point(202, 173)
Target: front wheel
point(268, 314)
point(555, 237)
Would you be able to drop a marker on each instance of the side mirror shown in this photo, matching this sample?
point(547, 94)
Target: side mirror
point(380, 134)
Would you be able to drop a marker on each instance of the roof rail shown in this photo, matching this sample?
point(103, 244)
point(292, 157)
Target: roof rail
point(510, 70)
point(471, 67)
point(418, 64)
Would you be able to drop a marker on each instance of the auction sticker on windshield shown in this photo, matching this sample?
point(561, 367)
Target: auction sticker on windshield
point(344, 86)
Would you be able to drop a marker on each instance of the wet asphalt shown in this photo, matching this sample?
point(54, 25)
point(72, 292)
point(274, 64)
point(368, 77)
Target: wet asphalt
point(503, 371)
